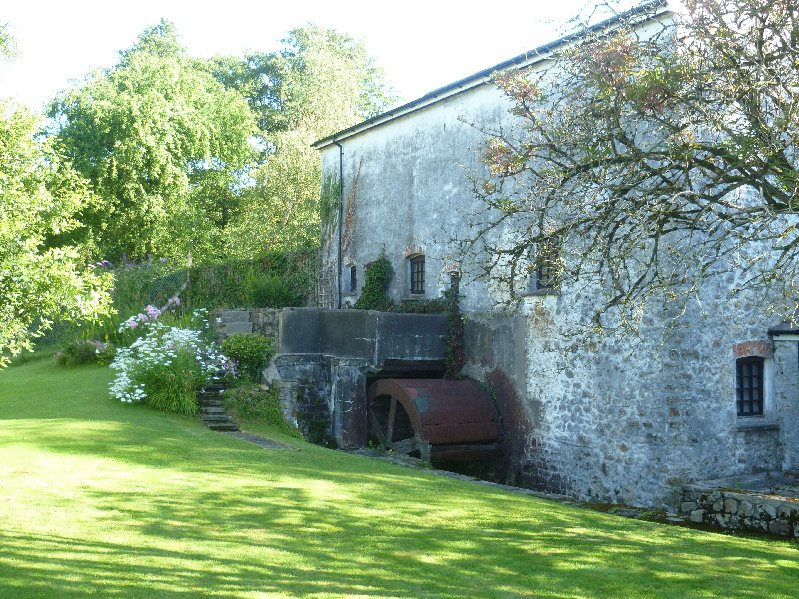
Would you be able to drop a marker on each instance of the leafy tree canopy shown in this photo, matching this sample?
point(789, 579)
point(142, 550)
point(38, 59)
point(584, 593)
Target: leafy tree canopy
point(661, 156)
point(321, 82)
point(164, 145)
point(40, 198)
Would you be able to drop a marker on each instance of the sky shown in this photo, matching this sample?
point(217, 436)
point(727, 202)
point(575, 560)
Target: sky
point(421, 45)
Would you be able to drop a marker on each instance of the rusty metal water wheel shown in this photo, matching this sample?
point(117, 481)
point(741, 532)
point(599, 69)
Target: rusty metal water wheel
point(434, 419)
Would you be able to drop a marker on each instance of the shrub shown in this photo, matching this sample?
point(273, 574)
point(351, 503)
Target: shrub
point(85, 351)
point(250, 352)
point(250, 402)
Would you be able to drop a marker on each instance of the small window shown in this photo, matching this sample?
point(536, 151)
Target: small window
point(417, 274)
point(547, 274)
point(353, 278)
point(749, 383)
point(455, 282)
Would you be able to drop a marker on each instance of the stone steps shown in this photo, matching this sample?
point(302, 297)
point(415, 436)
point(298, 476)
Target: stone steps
point(233, 322)
point(212, 409)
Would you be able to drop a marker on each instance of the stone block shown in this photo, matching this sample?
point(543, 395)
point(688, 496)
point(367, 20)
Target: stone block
point(779, 527)
point(721, 520)
point(769, 509)
point(746, 508)
point(730, 506)
point(697, 515)
point(718, 505)
point(688, 506)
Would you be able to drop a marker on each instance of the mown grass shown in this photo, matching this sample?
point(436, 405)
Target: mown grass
point(97, 497)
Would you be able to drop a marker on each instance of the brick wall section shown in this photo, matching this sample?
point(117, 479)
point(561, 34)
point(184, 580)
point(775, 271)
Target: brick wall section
point(746, 349)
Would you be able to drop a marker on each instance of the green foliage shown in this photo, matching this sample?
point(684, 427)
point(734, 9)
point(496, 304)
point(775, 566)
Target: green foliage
point(321, 82)
point(278, 279)
point(251, 352)
point(374, 295)
point(164, 145)
point(173, 387)
point(272, 292)
point(436, 305)
point(250, 403)
point(455, 350)
point(8, 47)
point(77, 353)
point(328, 202)
point(41, 278)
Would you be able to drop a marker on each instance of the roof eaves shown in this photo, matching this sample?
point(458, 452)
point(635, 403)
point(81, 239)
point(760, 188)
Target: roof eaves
point(529, 58)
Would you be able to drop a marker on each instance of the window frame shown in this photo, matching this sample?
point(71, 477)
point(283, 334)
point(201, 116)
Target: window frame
point(750, 387)
point(416, 270)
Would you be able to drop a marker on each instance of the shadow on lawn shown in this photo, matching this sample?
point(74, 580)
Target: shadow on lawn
point(312, 532)
point(201, 514)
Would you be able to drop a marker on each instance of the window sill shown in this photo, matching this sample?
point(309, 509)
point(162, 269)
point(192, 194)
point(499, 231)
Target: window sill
point(416, 297)
point(744, 424)
point(540, 292)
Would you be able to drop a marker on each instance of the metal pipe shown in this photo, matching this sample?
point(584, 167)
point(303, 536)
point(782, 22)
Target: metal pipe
point(340, 215)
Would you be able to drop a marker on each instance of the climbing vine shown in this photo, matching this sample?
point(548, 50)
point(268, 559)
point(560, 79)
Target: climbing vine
point(328, 212)
point(374, 295)
point(455, 350)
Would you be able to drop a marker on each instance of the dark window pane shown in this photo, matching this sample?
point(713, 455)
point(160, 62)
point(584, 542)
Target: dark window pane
point(417, 274)
point(353, 278)
point(749, 386)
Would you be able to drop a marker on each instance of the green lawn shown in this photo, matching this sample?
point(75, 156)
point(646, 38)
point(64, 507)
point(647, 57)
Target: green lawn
point(97, 497)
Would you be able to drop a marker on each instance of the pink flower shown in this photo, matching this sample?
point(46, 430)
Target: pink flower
point(133, 324)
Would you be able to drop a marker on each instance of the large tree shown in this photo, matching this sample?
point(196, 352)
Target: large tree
point(658, 155)
point(165, 146)
point(320, 82)
point(40, 198)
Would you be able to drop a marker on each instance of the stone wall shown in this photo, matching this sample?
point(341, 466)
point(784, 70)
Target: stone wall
point(741, 510)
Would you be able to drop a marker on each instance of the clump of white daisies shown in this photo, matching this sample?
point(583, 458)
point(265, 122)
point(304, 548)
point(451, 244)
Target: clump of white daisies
point(167, 365)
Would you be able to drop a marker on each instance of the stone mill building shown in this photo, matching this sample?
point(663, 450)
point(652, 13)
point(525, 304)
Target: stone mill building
point(614, 421)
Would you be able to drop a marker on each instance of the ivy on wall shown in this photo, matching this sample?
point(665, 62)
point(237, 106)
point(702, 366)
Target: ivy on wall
point(374, 295)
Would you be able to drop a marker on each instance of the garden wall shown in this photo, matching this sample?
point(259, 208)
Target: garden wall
point(741, 509)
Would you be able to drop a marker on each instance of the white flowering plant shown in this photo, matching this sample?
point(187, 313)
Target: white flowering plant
point(166, 367)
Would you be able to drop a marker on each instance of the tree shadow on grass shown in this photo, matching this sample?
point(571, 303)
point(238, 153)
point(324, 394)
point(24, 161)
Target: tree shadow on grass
point(323, 535)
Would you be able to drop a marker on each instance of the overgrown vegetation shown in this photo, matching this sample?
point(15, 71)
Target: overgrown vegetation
point(250, 353)
point(276, 280)
point(85, 351)
point(250, 404)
